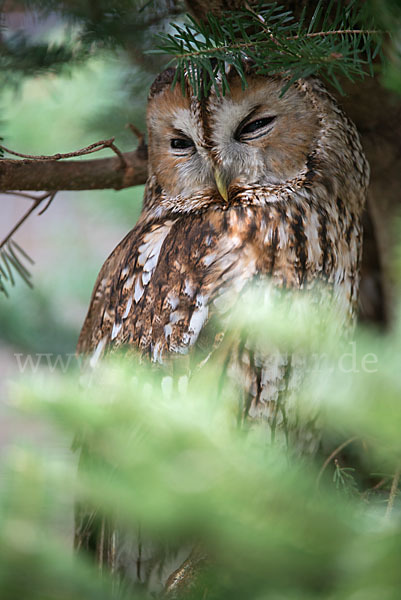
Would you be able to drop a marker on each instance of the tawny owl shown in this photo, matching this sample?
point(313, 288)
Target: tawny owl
point(255, 184)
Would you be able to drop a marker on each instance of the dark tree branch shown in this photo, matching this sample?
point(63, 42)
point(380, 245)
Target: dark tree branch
point(49, 196)
point(53, 174)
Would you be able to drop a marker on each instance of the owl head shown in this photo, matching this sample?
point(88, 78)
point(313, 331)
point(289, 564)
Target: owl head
point(252, 137)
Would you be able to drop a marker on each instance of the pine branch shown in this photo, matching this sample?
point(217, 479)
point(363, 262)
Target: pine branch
point(337, 32)
point(273, 42)
point(250, 45)
point(12, 258)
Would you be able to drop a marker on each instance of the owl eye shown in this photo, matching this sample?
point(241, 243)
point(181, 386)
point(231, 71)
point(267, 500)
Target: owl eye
point(255, 129)
point(181, 143)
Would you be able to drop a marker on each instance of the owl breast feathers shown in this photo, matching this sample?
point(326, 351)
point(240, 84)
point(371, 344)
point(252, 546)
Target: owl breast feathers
point(253, 184)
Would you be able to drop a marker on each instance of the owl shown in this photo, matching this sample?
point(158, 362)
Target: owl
point(255, 185)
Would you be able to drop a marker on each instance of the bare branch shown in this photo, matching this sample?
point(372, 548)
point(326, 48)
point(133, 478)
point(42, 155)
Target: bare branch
point(138, 134)
point(333, 455)
point(393, 492)
point(51, 173)
point(36, 202)
point(50, 200)
point(87, 150)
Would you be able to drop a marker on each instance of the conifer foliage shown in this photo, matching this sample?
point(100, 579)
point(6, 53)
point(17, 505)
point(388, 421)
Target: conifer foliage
point(338, 39)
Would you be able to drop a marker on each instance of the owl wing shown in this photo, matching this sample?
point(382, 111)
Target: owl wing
point(164, 280)
point(156, 291)
point(160, 288)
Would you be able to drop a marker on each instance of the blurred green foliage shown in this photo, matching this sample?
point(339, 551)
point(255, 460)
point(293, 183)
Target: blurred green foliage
point(59, 36)
point(176, 462)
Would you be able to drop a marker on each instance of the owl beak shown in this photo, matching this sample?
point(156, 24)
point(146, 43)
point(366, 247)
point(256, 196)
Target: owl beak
point(221, 184)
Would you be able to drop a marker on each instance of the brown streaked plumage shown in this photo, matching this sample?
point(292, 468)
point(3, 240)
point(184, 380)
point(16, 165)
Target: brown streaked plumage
point(253, 185)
